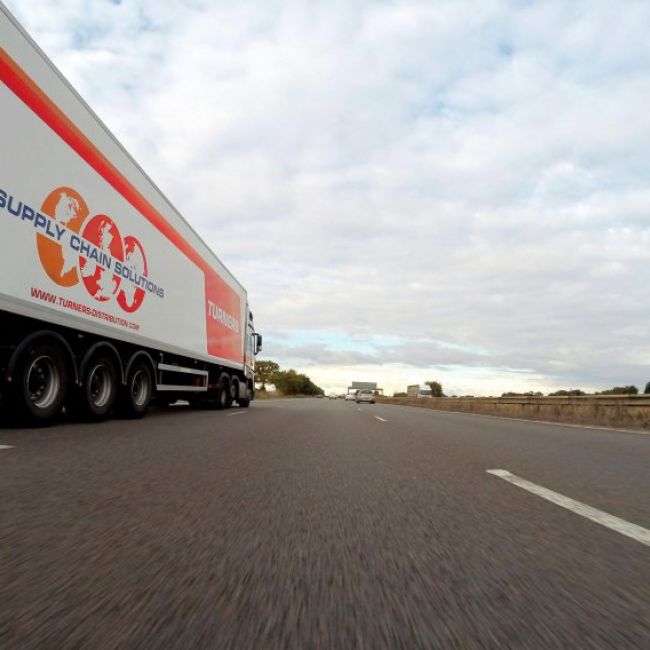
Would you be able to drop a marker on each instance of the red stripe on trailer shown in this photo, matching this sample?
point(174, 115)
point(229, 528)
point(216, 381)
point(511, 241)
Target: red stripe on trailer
point(222, 341)
point(17, 80)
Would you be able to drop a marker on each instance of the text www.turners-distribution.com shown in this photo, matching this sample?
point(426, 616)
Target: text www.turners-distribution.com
point(73, 305)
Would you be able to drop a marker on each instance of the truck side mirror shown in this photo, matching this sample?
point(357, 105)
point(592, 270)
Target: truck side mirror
point(258, 343)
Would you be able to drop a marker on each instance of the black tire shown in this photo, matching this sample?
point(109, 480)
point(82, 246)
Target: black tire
point(245, 402)
point(39, 387)
point(136, 395)
point(223, 394)
point(99, 390)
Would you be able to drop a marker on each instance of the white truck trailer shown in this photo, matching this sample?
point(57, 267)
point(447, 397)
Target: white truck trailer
point(417, 391)
point(108, 298)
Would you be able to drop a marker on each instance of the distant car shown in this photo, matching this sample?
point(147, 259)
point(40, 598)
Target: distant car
point(350, 397)
point(366, 396)
point(320, 396)
point(332, 396)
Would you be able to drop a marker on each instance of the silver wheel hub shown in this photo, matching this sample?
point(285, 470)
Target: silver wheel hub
point(43, 382)
point(140, 388)
point(100, 386)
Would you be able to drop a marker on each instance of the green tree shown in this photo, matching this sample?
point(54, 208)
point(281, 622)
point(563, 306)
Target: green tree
point(290, 382)
point(647, 389)
point(265, 372)
point(572, 392)
point(620, 390)
point(436, 388)
point(399, 394)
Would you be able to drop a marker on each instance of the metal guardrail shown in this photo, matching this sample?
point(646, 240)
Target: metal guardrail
point(602, 410)
point(535, 399)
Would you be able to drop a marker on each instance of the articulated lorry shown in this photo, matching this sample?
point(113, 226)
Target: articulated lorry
point(108, 298)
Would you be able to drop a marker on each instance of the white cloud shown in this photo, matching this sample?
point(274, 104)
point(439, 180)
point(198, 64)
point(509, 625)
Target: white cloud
point(470, 173)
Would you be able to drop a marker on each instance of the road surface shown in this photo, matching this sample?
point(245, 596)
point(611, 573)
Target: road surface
point(322, 524)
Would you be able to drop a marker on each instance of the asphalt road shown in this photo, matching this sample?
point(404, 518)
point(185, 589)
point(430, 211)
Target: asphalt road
point(314, 524)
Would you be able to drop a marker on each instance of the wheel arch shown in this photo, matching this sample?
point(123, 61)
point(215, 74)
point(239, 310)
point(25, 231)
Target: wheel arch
point(103, 345)
point(137, 356)
point(44, 335)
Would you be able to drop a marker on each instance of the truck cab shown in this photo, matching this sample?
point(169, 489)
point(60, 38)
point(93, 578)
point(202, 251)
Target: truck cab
point(253, 346)
point(417, 391)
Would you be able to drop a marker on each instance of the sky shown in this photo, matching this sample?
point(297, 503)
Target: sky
point(409, 190)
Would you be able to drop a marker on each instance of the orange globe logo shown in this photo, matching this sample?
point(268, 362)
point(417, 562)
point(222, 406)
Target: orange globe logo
point(92, 251)
point(67, 207)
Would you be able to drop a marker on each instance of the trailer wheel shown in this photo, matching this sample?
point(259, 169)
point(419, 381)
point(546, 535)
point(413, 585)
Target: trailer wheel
point(136, 395)
point(98, 392)
point(39, 384)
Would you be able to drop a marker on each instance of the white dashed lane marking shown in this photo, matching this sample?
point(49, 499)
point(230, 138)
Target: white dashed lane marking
point(6, 447)
point(238, 413)
point(380, 419)
point(621, 526)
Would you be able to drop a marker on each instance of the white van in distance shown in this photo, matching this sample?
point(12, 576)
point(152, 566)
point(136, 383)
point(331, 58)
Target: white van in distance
point(418, 391)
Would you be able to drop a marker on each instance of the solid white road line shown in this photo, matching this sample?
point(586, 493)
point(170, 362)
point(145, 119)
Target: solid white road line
point(6, 447)
point(621, 526)
point(380, 419)
point(229, 415)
